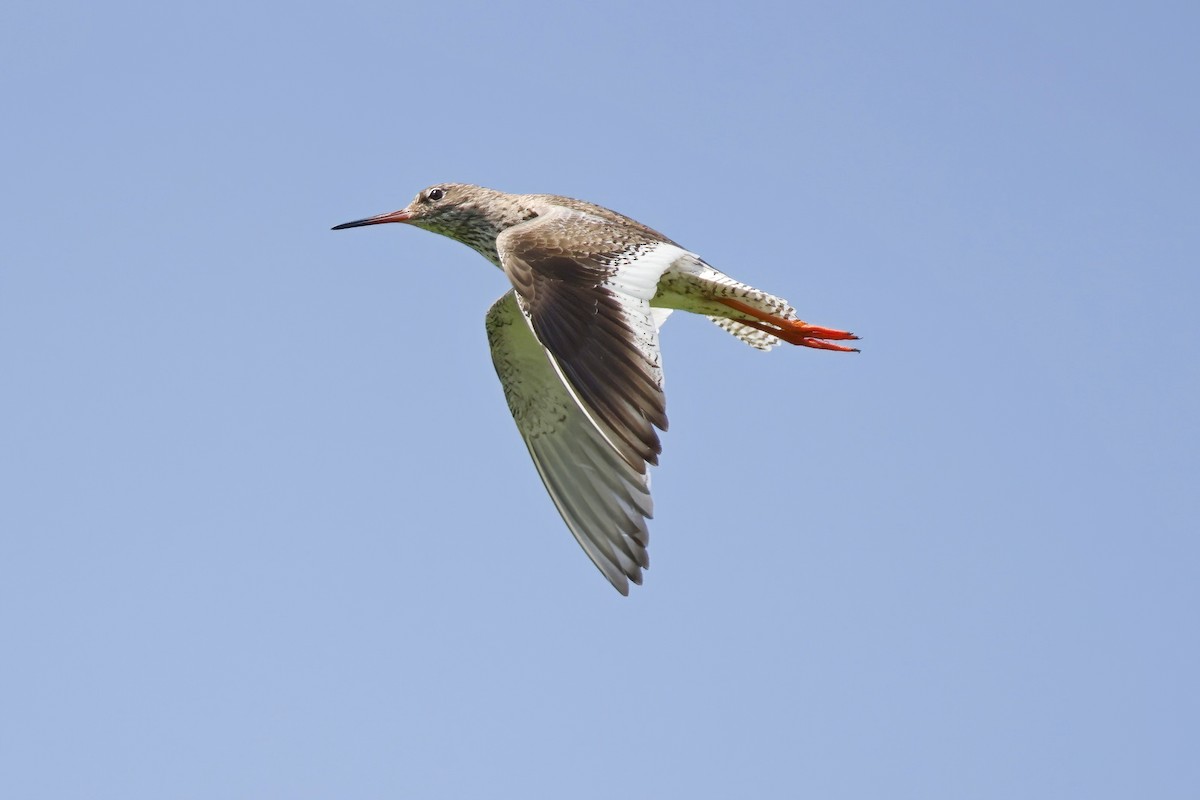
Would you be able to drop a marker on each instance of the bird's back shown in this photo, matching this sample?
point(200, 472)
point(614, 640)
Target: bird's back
point(631, 227)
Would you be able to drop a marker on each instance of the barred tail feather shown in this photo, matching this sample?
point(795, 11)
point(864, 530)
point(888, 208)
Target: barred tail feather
point(760, 340)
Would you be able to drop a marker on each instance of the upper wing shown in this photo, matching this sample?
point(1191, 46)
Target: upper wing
point(604, 500)
point(586, 286)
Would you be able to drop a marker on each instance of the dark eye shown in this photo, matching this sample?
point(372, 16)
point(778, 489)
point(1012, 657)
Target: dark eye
point(436, 193)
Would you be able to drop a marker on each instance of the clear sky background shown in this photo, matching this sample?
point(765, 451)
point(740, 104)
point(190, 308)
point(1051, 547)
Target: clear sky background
point(267, 529)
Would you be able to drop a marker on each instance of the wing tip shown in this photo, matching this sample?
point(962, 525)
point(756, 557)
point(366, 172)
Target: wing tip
point(620, 581)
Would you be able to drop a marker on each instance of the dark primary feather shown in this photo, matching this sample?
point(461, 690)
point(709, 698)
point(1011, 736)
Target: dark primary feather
point(604, 499)
point(588, 326)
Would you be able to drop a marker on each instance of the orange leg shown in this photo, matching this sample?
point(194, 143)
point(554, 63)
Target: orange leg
point(792, 331)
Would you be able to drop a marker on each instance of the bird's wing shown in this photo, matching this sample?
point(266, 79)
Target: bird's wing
point(585, 285)
point(603, 499)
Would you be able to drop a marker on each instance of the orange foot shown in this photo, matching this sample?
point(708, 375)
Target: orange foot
point(792, 331)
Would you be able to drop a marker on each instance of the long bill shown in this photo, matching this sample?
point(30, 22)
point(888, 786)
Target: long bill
point(403, 215)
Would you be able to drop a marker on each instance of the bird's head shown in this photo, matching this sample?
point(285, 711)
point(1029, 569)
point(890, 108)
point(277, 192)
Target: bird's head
point(470, 214)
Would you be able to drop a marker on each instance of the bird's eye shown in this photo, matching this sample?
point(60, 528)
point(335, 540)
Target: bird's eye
point(436, 193)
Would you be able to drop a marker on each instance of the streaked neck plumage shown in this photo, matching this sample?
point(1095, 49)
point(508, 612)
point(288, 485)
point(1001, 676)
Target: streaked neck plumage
point(481, 216)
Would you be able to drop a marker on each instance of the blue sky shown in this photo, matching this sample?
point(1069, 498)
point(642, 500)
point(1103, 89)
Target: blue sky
point(267, 529)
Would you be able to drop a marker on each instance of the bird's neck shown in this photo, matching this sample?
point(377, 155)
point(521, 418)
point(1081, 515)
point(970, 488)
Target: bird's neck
point(481, 233)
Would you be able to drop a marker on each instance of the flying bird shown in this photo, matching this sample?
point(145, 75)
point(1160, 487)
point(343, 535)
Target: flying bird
point(575, 345)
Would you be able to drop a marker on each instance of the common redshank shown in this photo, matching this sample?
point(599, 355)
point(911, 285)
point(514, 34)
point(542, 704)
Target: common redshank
point(575, 344)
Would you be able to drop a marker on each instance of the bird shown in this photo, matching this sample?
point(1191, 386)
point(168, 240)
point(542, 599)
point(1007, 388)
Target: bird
point(575, 344)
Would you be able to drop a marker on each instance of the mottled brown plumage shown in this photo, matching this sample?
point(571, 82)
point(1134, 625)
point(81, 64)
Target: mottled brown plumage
point(575, 344)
